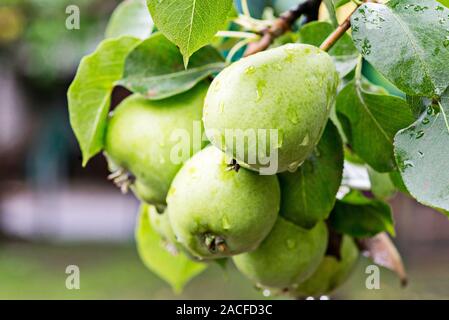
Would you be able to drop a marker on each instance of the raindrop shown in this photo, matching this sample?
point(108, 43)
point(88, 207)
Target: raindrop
point(290, 55)
point(425, 121)
point(366, 47)
point(305, 141)
point(280, 139)
point(292, 115)
point(225, 223)
point(436, 51)
point(171, 191)
point(292, 167)
point(407, 164)
point(291, 244)
point(419, 134)
point(192, 170)
point(446, 42)
point(260, 85)
point(250, 70)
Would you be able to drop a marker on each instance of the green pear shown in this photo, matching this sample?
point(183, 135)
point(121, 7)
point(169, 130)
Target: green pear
point(161, 224)
point(141, 139)
point(216, 211)
point(289, 89)
point(331, 272)
point(289, 255)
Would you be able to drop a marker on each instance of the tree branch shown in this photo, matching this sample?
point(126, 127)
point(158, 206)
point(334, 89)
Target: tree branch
point(338, 33)
point(341, 29)
point(283, 24)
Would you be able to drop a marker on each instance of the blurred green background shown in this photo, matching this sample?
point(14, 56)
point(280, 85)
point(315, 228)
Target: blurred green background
point(53, 213)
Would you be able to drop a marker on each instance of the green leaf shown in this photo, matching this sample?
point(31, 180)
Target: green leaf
point(444, 2)
point(371, 121)
point(417, 104)
point(339, 3)
point(190, 24)
point(89, 94)
point(343, 52)
point(155, 68)
point(309, 194)
point(361, 217)
point(177, 270)
point(330, 6)
point(407, 41)
point(421, 153)
point(381, 184)
point(130, 18)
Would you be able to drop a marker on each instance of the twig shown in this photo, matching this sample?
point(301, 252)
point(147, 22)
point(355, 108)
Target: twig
point(283, 24)
point(342, 28)
point(338, 33)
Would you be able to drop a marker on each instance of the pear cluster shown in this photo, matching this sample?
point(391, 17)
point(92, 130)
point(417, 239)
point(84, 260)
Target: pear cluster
point(215, 201)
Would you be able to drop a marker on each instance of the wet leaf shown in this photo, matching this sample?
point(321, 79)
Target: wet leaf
point(407, 41)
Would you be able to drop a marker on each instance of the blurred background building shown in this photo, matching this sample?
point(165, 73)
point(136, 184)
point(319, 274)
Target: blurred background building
point(54, 213)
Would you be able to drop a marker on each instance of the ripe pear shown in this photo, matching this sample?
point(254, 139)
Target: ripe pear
point(290, 254)
point(331, 272)
point(140, 139)
point(289, 89)
point(216, 211)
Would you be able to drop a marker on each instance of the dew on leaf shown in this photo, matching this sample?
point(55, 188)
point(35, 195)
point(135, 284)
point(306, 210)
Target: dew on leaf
point(407, 164)
point(419, 134)
point(446, 42)
point(436, 51)
point(366, 47)
point(291, 244)
point(425, 121)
